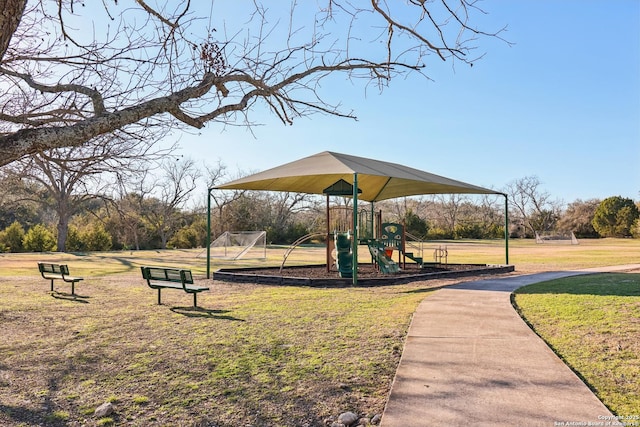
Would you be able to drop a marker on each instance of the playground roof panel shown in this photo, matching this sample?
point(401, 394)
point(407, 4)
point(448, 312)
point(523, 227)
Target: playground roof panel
point(378, 180)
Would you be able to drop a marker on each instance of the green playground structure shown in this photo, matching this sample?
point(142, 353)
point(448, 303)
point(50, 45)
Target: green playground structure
point(392, 237)
point(381, 257)
point(382, 240)
point(344, 255)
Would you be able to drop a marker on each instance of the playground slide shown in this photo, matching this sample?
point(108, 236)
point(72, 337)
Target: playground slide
point(387, 265)
point(344, 257)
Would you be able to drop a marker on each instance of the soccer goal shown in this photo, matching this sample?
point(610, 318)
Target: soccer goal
point(557, 238)
point(240, 244)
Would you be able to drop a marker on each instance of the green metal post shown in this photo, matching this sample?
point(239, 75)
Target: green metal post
point(354, 262)
point(371, 223)
point(506, 229)
point(208, 239)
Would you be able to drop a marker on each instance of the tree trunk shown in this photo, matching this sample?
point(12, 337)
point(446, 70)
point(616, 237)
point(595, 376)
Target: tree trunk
point(63, 231)
point(10, 16)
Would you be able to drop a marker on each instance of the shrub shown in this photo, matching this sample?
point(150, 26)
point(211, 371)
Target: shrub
point(91, 238)
point(469, 231)
point(415, 225)
point(478, 231)
point(287, 234)
point(185, 238)
point(11, 238)
point(614, 217)
point(495, 231)
point(635, 230)
point(96, 238)
point(39, 239)
point(438, 233)
point(74, 241)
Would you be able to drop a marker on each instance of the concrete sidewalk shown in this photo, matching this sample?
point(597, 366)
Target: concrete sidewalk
point(469, 359)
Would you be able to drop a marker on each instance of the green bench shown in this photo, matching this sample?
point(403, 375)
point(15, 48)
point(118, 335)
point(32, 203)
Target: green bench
point(172, 278)
point(53, 272)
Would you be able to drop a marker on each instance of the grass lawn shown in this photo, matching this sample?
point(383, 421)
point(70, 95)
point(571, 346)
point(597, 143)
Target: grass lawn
point(253, 355)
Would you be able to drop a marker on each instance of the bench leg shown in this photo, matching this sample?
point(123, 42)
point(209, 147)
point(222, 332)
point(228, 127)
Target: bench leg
point(73, 288)
point(51, 285)
point(195, 302)
point(158, 296)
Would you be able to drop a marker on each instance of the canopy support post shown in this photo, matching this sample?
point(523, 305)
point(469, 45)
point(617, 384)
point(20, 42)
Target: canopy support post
point(328, 245)
point(506, 229)
point(208, 239)
point(354, 262)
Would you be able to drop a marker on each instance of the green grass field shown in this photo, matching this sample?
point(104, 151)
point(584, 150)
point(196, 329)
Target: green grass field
point(264, 355)
point(593, 323)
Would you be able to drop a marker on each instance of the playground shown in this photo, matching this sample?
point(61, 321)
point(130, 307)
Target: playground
point(347, 229)
point(388, 255)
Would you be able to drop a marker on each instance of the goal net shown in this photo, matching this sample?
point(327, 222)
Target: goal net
point(240, 244)
point(557, 238)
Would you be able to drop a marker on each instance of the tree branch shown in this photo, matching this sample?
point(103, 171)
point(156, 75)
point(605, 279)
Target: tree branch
point(127, 65)
point(94, 95)
point(31, 141)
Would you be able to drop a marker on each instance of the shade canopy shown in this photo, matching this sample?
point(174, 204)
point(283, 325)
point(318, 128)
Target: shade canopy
point(377, 180)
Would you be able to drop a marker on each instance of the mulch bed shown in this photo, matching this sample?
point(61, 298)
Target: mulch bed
point(368, 274)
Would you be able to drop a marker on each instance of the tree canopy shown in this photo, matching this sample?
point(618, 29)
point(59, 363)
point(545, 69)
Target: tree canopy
point(615, 216)
point(71, 71)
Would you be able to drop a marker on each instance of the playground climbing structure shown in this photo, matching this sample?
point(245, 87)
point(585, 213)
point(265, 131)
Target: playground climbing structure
point(344, 255)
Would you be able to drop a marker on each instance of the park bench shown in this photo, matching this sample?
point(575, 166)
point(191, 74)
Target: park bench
point(53, 272)
point(171, 278)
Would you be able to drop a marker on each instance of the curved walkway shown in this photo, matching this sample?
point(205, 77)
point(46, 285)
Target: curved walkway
point(469, 359)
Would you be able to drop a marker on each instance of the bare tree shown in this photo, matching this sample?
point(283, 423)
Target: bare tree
point(449, 210)
point(217, 175)
point(532, 206)
point(284, 206)
point(67, 178)
point(15, 203)
point(71, 71)
point(172, 191)
point(397, 209)
point(129, 223)
point(490, 212)
point(578, 218)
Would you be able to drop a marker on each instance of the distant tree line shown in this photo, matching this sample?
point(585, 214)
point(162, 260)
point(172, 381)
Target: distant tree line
point(160, 208)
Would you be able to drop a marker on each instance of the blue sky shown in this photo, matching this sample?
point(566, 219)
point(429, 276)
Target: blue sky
point(562, 103)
